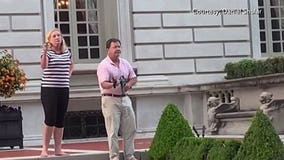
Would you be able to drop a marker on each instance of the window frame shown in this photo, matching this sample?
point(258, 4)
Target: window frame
point(268, 31)
point(117, 13)
point(107, 25)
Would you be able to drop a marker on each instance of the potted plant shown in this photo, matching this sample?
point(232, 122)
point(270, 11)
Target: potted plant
point(12, 79)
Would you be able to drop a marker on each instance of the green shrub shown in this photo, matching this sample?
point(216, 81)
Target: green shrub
point(280, 65)
point(186, 148)
point(261, 141)
point(243, 68)
point(247, 68)
point(191, 148)
point(147, 157)
point(251, 67)
point(171, 128)
point(277, 64)
point(203, 149)
point(231, 70)
point(224, 150)
point(263, 68)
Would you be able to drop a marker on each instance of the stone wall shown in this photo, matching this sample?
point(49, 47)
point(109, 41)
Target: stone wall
point(173, 48)
point(190, 37)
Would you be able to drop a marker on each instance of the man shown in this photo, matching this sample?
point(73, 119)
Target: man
point(116, 77)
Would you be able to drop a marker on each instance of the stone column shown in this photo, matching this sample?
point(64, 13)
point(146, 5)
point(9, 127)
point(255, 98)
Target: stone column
point(194, 109)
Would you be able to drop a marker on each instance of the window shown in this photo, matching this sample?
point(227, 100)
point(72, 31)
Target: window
point(79, 21)
point(271, 24)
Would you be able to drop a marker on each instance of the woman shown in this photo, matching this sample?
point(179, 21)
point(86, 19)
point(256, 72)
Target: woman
point(57, 68)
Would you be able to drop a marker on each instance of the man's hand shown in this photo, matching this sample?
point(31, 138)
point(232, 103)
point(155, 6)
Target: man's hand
point(115, 82)
point(127, 87)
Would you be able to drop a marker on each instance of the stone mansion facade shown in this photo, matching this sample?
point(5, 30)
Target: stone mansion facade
point(174, 45)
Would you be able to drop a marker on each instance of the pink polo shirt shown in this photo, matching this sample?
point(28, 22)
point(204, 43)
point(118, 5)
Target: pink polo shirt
point(107, 71)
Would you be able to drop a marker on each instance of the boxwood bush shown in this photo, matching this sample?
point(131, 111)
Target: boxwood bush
point(191, 148)
point(224, 150)
point(186, 149)
point(261, 141)
point(171, 128)
point(252, 67)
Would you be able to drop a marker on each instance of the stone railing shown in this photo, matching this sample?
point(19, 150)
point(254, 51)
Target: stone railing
point(227, 118)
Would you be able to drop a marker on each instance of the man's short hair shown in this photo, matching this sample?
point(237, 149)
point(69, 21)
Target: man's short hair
point(108, 42)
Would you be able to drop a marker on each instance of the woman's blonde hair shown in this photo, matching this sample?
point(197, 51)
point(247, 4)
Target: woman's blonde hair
point(63, 45)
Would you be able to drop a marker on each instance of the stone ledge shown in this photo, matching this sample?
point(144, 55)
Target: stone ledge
point(258, 81)
point(239, 114)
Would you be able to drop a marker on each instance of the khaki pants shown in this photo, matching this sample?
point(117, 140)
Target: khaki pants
point(119, 116)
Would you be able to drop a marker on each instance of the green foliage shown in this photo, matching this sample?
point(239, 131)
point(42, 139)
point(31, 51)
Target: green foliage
point(203, 149)
point(186, 148)
point(263, 68)
point(224, 150)
point(277, 64)
point(147, 157)
point(247, 67)
point(171, 128)
point(243, 68)
point(251, 67)
point(191, 148)
point(231, 70)
point(261, 141)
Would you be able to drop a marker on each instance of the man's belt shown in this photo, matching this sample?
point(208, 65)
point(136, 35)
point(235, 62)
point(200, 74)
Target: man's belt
point(113, 95)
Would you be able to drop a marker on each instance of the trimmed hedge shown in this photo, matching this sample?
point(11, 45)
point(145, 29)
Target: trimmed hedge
point(224, 150)
point(171, 128)
point(252, 67)
point(261, 141)
point(190, 148)
point(186, 149)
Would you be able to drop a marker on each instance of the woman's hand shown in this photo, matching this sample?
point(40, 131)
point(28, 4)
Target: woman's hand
point(45, 48)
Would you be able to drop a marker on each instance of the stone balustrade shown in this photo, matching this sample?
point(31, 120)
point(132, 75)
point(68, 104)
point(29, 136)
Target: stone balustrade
point(228, 119)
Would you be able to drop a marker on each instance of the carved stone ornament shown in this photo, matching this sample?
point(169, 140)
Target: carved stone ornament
point(270, 105)
point(215, 107)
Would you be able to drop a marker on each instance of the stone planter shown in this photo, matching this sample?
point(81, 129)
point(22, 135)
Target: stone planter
point(11, 132)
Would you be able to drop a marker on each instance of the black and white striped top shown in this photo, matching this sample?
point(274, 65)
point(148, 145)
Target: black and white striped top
point(56, 74)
